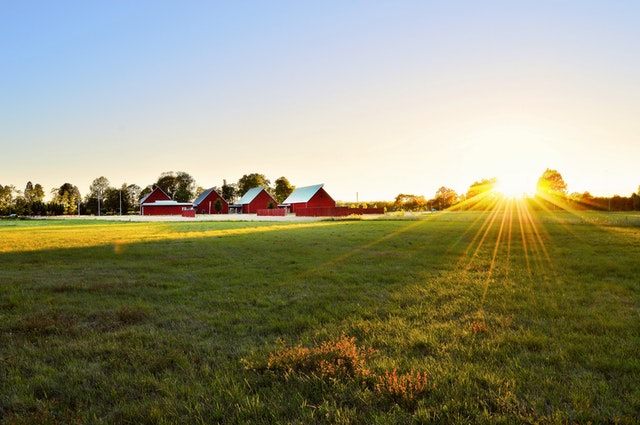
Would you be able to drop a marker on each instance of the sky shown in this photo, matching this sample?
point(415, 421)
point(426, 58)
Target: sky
point(371, 98)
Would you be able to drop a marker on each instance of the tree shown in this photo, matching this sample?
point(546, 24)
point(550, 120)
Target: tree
point(97, 192)
point(200, 190)
point(249, 181)
point(144, 192)
point(179, 186)
point(635, 201)
point(481, 187)
point(551, 187)
point(283, 189)
point(67, 197)
point(229, 191)
point(27, 191)
point(186, 187)
point(445, 197)
point(6, 199)
point(33, 193)
point(584, 200)
point(133, 195)
point(480, 196)
point(551, 183)
point(167, 182)
point(406, 202)
point(217, 206)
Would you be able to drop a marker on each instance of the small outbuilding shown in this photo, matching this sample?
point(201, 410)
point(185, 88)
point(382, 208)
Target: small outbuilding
point(211, 202)
point(309, 197)
point(159, 203)
point(255, 199)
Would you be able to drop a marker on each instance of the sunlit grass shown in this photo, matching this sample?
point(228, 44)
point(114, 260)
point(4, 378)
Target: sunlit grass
point(507, 315)
point(41, 235)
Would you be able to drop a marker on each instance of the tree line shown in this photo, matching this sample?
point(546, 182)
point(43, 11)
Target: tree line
point(551, 193)
point(105, 199)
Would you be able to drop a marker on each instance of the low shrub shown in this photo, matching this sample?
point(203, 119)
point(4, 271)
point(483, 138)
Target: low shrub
point(340, 358)
point(341, 361)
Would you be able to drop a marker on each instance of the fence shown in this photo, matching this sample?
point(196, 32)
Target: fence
point(336, 211)
point(273, 212)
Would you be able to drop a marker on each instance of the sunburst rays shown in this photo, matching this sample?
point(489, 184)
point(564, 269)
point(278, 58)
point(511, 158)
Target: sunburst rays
point(507, 234)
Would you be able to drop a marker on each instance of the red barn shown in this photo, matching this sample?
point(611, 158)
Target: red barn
point(156, 194)
point(255, 199)
point(309, 197)
point(206, 203)
point(159, 203)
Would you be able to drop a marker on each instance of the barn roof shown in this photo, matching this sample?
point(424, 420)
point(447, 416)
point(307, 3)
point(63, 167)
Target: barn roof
point(251, 195)
point(302, 194)
point(203, 196)
point(155, 189)
point(167, 203)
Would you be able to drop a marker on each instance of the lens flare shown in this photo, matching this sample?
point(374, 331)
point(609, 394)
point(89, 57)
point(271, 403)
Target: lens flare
point(514, 187)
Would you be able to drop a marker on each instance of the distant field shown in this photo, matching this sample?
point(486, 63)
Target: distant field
point(466, 317)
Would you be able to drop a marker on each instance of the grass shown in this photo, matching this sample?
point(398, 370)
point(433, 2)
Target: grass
point(476, 317)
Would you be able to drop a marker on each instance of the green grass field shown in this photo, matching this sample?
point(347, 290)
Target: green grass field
point(474, 317)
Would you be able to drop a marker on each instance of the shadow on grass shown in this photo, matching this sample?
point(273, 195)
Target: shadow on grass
point(156, 331)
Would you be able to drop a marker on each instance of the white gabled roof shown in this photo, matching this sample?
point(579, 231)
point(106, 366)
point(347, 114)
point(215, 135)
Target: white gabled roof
point(203, 196)
point(303, 194)
point(251, 195)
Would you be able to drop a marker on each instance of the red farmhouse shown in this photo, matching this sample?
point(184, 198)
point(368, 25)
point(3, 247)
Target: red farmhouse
point(206, 203)
point(255, 199)
point(159, 203)
point(309, 197)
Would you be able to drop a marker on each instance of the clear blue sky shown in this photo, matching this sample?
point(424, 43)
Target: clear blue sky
point(374, 97)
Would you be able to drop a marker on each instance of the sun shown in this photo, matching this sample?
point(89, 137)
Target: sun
point(514, 186)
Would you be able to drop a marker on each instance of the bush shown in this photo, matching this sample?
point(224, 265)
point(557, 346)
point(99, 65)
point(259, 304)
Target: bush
point(340, 361)
point(335, 359)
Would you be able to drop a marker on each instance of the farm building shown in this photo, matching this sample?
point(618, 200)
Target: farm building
point(309, 197)
point(255, 199)
point(210, 202)
point(156, 194)
point(159, 203)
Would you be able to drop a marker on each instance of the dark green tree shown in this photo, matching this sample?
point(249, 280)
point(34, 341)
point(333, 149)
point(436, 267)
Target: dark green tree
point(94, 200)
point(33, 193)
point(6, 199)
point(144, 192)
point(113, 198)
point(186, 187)
point(217, 206)
point(179, 186)
point(67, 197)
point(249, 181)
point(132, 192)
point(229, 192)
point(167, 182)
point(27, 191)
point(283, 189)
